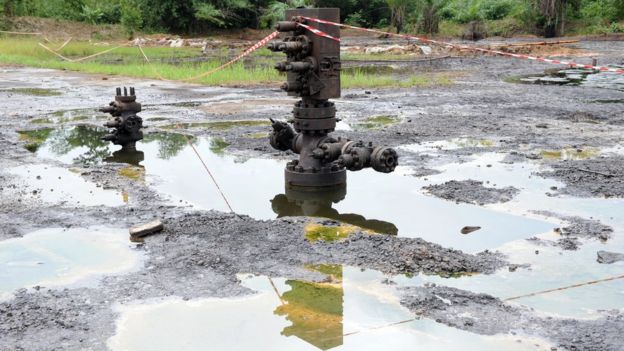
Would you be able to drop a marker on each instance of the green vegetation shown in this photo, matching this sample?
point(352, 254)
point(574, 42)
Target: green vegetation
point(218, 145)
point(34, 138)
point(169, 63)
point(379, 122)
point(547, 17)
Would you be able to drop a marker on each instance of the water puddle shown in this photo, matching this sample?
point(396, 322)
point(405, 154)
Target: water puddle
point(59, 186)
point(219, 125)
point(385, 203)
point(570, 154)
point(575, 77)
point(377, 122)
point(64, 257)
point(550, 267)
point(353, 310)
point(452, 144)
point(70, 116)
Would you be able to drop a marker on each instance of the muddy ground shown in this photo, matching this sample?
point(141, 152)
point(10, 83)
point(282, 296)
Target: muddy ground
point(200, 252)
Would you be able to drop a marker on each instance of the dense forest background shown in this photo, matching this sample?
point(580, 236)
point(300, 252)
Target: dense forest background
point(500, 17)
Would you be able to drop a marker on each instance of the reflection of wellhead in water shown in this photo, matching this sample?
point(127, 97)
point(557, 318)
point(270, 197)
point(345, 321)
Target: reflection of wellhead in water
point(313, 72)
point(318, 203)
point(126, 125)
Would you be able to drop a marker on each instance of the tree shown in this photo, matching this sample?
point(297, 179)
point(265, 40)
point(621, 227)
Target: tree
point(398, 9)
point(275, 11)
point(131, 18)
point(554, 13)
point(430, 17)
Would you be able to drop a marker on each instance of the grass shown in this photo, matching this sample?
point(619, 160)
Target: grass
point(362, 79)
point(182, 63)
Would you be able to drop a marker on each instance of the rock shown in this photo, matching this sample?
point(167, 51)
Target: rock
point(177, 43)
point(426, 50)
point(607, 257)
point(468, 229)
point(146, 229)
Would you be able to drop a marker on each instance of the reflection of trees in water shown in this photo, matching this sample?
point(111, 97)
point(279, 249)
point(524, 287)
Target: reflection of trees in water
point(169, 144)
point(315, 309)
point(63, 141)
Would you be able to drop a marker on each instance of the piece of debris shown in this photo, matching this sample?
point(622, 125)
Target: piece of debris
point(469, 229)
point(607, 257)
point(143, 230)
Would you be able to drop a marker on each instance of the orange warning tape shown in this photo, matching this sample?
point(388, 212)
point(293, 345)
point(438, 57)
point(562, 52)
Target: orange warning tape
point(465, 47)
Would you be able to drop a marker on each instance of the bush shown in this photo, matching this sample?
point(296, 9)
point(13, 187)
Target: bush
point(356, 19)
point(131, 18)
point(496, 9)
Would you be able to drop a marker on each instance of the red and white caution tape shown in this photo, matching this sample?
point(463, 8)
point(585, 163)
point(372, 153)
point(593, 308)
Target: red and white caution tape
point(253, 48)
point(318, 32)
point(465, 47)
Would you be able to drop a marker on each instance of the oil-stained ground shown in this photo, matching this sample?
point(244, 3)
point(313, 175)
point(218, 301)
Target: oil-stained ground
point(489, 141)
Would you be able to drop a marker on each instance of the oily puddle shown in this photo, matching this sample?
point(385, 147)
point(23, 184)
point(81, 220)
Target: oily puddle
point(352, 311)
point(575, 77)
point(451, 144)
point(376, 122)
point(388, 203)
point(220, 125)
point(251, 105)
point(550, 266)
point(57, 186)
point(70, 116)
point(570, 153)
point(63, 257)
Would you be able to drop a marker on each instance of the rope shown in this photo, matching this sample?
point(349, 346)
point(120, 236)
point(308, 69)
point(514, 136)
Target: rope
point(566, 287)
point(149, 63)
point(19, 33)
point(82, 58)
point(64, 44)
point(99, 53)
point(56, 53)
point(276, 291)
point(253, 48)
point(188, 140)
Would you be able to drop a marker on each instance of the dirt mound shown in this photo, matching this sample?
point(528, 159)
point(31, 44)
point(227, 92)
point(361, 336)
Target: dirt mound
point(487, 315)
point(596, 177)
point(55, 29)
point(471, 191)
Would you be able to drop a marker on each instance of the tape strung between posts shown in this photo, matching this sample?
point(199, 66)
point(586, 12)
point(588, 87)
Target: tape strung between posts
point(465, 47)
point(318, 32)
